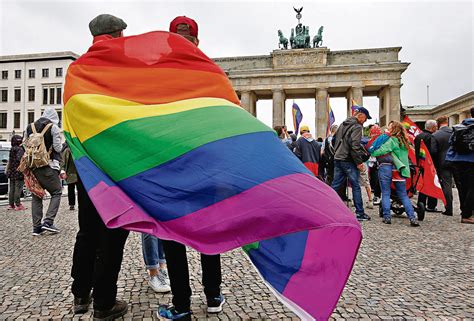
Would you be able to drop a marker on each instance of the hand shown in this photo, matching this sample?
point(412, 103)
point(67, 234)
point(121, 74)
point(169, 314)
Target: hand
point(361, 167)
point(63, 175)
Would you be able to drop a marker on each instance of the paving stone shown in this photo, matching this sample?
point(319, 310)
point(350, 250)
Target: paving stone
point(401, 273)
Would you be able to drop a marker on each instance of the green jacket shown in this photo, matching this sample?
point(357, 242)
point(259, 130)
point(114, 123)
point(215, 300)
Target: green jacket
point(399, 155)
point(69, 167)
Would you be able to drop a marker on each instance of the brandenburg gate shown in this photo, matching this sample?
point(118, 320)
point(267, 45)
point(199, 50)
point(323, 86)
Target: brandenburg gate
point(318, 73)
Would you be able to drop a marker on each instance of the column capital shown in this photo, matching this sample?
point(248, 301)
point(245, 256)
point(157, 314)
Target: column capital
point(395, 86)
point(278, 90)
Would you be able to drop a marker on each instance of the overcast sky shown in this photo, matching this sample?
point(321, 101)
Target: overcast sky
point(437, 37)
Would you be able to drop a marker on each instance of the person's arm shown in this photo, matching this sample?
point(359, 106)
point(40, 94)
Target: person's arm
point(386, 148)
point(357, 150)
point(57, 145)
point(298, 149)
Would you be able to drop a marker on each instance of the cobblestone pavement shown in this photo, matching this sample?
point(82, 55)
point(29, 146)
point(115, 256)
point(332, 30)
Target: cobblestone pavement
point(400, 273)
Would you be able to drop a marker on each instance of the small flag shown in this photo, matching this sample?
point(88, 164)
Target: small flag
point(331, 119)
point(297, 117)
point(354, 107)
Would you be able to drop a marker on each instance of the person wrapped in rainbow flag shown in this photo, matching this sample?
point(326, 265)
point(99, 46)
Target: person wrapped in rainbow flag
point(162, 146)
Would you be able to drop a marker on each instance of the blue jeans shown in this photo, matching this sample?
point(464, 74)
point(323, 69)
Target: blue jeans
point(342, 171)
point(385, 179)
point(153, 253)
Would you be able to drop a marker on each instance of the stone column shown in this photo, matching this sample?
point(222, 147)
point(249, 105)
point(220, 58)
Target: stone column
point(354, 94)
point(278, 107)
point(321, 112)
point(394, 107)
point(248, 101)
point(463, 115)
point(453, 119)
point(382, 107)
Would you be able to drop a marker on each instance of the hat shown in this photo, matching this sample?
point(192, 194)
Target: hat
point(193, 27)
point(363, 110)
point(106, 24)
point(304, 128)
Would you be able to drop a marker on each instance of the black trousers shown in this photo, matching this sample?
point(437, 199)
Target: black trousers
point(98, 254)
point(432, 202)
point(374, 181)
point(446, 180)
point(464, 177)
point(178, 271)
point(71, 194)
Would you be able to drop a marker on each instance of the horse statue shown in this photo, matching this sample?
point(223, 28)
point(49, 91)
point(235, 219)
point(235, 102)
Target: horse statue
point(318, 39)
point(292, 39)
point(283, 40)
point(307, 38)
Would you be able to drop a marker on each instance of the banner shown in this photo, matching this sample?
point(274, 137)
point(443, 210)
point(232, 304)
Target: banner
point(428, 183)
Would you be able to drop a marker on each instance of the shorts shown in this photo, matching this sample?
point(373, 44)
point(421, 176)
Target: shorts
point(364, 177)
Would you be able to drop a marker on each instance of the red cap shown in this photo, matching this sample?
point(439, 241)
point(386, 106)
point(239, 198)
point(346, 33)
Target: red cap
point(193, 27)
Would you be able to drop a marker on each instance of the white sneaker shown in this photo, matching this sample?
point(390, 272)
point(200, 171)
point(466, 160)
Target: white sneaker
point(369, 205)
point(376, 200)
point(158, 284)
point(164, 275)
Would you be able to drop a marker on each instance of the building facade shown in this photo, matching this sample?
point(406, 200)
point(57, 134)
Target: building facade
point(456, 109)
point(28, 84)
point(319, 73)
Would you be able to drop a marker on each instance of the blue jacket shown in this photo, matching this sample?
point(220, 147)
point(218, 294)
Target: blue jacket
point(452, 156)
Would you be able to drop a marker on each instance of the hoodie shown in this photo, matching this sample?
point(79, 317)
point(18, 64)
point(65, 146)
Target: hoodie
point(52, 137)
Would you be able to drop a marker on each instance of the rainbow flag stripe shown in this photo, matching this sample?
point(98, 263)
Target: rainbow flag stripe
point(163, 147)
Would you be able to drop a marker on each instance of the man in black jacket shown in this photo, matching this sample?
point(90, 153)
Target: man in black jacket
point(443, 168)
point(98, 250)
point(427, 136)
point(349, 157)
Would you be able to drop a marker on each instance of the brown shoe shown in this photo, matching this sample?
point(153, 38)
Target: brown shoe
point(81, 305)
point(469, 220)
point(119, 309)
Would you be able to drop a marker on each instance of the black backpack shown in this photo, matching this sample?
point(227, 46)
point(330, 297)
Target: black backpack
point(329, 150)
point(463, 139)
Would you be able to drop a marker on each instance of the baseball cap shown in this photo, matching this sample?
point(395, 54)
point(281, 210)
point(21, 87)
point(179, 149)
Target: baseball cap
point(193, 27)
point(363, 110)
point(304, 128)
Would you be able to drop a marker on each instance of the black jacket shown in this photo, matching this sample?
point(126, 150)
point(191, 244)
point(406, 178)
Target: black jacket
point(16, 152)
point(427, 137)
point(308, 151)
point(441, 139)
point(347, 142)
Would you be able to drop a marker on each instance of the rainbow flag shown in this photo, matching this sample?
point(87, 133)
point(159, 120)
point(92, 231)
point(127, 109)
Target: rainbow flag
point(331, 118)
point(297, 117)
point(163, 147)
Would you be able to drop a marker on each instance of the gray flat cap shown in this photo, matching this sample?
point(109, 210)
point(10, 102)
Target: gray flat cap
point(106, 23)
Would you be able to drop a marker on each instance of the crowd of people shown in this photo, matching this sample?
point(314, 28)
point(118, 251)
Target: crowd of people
point(343, 159)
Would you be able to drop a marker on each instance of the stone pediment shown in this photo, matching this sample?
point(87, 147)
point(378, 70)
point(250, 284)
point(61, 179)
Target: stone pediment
point(299, 58)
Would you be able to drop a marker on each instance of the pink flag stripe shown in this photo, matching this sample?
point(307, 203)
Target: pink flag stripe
point(237, 220)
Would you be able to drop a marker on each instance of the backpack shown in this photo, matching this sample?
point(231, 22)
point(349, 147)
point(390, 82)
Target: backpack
point(329, 150)
point(36, 155)
point(463, 139)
